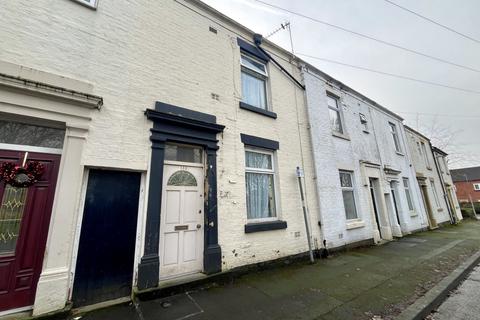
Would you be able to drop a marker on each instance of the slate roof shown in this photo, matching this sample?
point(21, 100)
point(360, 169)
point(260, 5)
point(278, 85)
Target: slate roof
point(472, 174)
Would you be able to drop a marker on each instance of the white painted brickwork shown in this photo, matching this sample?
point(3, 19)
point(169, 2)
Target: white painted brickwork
point(136, 53)
point(449, 185)
point(440, 211)
point(333, 153)
point(415, 220)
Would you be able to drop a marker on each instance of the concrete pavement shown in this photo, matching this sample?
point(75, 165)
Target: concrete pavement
point(367, 283)
point(464, 302)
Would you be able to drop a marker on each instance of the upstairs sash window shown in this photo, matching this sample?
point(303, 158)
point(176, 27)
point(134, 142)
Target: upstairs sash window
point(335, 116)
point(254, 82)
point(394, 133)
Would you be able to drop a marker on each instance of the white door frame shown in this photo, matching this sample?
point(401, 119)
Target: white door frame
point(373, 171)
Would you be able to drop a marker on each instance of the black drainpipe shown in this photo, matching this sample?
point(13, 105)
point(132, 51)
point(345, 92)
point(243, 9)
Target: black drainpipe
point(257, 38)
point(453, 220)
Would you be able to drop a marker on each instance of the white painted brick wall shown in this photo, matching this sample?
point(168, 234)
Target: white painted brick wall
point(447, 179)
point(440, 211)
point(401, 162)
point(332, 153)
point(135, 53)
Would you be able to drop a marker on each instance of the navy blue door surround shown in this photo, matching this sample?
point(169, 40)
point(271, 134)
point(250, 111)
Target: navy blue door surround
point(176, 124)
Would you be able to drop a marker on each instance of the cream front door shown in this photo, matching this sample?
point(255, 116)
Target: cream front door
point(181, 226)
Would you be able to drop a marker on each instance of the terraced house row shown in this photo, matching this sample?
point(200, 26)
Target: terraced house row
point(143, 145)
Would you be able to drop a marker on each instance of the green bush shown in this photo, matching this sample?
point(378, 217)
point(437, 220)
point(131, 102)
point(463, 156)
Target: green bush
point(467, 210)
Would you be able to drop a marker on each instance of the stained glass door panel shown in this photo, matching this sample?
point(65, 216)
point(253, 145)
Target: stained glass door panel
point(24, 220)
point(11, 213)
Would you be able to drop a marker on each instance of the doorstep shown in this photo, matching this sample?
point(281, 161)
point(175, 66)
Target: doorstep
point(16, 313)
point(182, 279)
point(100, 305)
point(169, 287)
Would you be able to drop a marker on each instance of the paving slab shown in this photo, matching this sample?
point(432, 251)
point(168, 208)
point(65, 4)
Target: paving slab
point(463, 303)
point(377, 282)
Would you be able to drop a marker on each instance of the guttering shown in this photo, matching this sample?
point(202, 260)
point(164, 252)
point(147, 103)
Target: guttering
point(453, 220)
point(44, 89)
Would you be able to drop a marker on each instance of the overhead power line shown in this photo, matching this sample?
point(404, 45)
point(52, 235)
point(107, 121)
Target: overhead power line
point(369, 37)
point(390, 74)
point(439, 114)
point(433, 21)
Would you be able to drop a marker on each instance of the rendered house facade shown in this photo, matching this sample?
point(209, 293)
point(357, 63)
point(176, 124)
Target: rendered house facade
point(361, 162)
point(428, 178)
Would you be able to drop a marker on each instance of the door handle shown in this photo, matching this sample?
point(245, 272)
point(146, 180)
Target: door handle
point(199, 226)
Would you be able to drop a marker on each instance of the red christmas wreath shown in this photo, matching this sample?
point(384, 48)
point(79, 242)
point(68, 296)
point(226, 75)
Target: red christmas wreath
point(21, 177)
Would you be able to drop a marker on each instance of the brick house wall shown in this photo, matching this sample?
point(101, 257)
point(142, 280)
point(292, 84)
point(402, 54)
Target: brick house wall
point(354, 151)
point(465, 191)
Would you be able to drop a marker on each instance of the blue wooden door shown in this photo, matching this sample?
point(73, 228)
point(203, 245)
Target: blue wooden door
point(106, 252)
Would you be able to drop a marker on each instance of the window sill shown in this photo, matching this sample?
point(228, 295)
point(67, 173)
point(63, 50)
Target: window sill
point(264, 112)
point(265, 226)
point(354, 224)
point(400, 153)
point(340, 135)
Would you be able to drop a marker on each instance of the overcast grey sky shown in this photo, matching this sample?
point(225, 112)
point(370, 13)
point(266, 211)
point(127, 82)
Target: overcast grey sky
point(448, 113)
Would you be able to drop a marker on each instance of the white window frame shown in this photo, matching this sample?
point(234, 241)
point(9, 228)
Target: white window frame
point(476, 186)
point(445, 165)
point(396, 139)
point(407, 189)
point(425, 155)
point(352, 188)
point(272, 172)
point(259, 75)
point(363, 121)
point(339, 111)
point(435, 194)
point(419, 148)
point(88, 3)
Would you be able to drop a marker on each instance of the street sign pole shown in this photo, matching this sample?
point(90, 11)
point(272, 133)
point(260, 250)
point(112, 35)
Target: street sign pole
point(300, 174)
